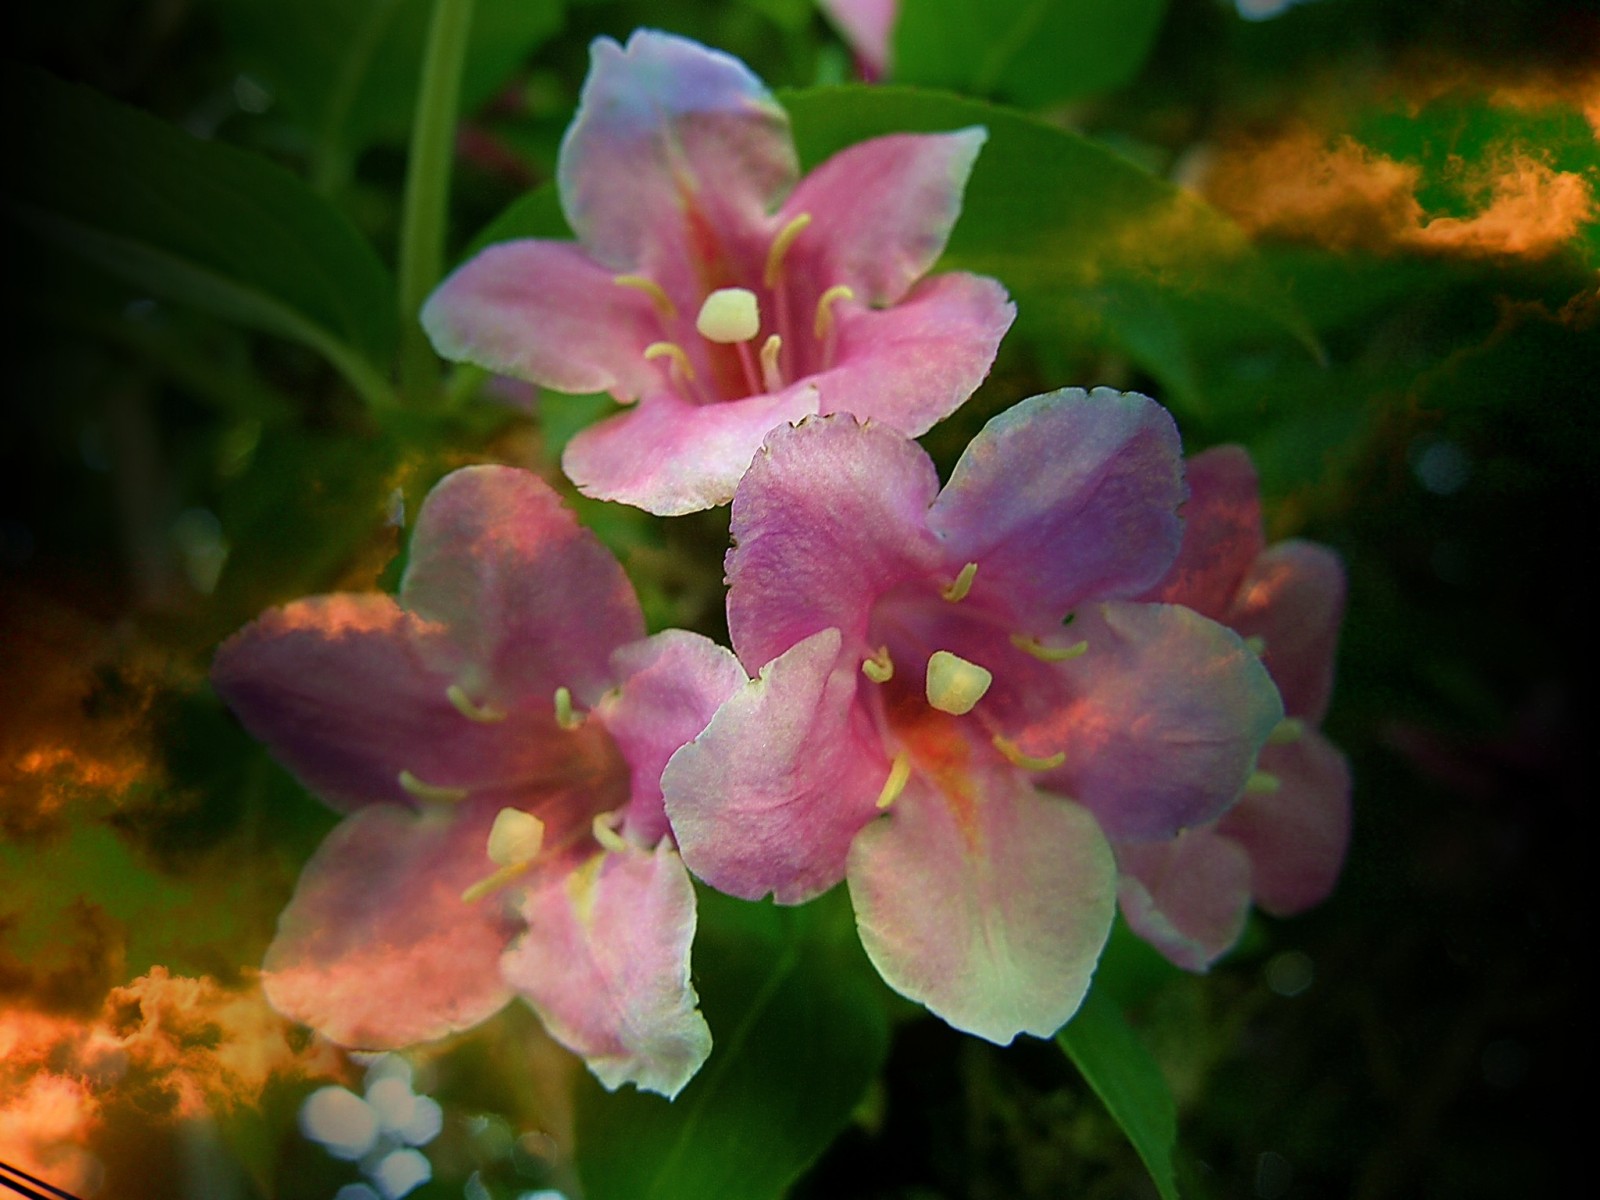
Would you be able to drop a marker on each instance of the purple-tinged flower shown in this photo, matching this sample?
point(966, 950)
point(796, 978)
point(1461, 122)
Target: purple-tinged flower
point(926, 727)
point(723, 293)
point(496, 737)
point(1284, 841)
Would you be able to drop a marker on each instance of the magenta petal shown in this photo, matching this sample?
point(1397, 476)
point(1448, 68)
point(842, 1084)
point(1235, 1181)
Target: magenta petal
point(670, 457)
point(1221, 534)
point(912, 365)
point(376, 949)
point(1170, 710)
point(1066, 498)
point(1296, 837)
point(605, 964)
point(1293, 600)
point(883, 209)
point(1188, 896)
point(830, 517)
point(670, 138)
point(768, 798)
point(532, 598)
point(994, 922)
point(671, 686)
point(548, 313)
point(348, 691)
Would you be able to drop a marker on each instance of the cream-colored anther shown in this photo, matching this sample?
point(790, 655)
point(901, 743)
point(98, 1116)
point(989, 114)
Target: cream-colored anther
point(1286, 732)
point(1044, 653)
point(899, 773)
point(605, 832)
point(780, 247)
point(729, 315)
point(515, 837)
point(771, 372)
point(431, 791)
point(680, 359)
point(654, 290)
point(1262, 783)
point(956, 590)
point(822, 323)
point(1027, 762)
point(1256, 644)
point(567, 717)
point(954, 685)
point(879, 667)
point(469, 708)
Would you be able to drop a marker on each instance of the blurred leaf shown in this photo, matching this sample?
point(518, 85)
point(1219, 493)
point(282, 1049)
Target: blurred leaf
point(349, 71)
point(195, 222)
point(1035, 52)
point(535, 214)
point(1129, 1083)
point(799, 1032)
point(1090, 245)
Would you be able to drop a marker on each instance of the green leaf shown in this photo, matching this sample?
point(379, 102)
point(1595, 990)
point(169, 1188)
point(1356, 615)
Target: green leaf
point(196, 222)
point(1122, 1073)
point(1035, 52)
point(349, 71)
point(799, 1032)
point(1091, 245)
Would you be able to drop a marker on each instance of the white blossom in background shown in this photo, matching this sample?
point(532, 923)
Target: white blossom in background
point(380, 1129)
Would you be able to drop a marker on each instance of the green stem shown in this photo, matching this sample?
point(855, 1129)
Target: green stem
point(428, 190)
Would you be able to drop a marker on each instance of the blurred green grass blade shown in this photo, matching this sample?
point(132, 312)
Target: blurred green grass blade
point(799, 1033)
point(1123, 1074)
point(1034, 52)
point(196, 222)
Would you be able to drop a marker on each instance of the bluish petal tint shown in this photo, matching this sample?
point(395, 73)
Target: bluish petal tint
point(1187, 896)
point(1067, 498)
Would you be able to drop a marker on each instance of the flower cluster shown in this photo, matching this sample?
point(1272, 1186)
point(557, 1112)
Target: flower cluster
point(1071, 675)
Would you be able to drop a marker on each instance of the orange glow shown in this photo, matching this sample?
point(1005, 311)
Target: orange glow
point(1532, 211)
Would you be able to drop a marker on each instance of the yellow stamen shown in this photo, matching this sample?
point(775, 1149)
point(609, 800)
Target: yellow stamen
point(470, 709)
point(431, 791)
point(899, 773)
point(954, 685)
point(729, 315)
point(822, 324)
point(1027, 762)
point(515, 837)
point(675, 352)
point(771, 374)
point(780, 247)
point(494, 882)
point(1262, 783)
point(879, 667)
point(566, 716)
point(1044, 653)
point(606, 834)
point(956, 590)
point(1256, 644)
point(654, 290)
point(1286, 732)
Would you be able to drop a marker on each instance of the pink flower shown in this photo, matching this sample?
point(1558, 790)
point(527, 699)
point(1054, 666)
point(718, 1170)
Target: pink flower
point(1284, 841)
point(923, 716)
point(496, 737)
point(722, 295)
point(866, 26)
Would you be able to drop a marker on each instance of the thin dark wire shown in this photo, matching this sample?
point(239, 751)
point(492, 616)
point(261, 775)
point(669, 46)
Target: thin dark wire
point(7, 1169)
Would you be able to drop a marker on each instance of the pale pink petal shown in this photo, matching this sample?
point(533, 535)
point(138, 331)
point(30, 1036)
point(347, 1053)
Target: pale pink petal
point(991, 910)
point(865, 25)
point(881, 210)
point(768, 798)
point(671, 457)
point(1221, 533)
point(548, 313)
point(348, 691)
point(1293, 600)
point(830, 517)
point(532, 598)
point(605, 964)
point(670, 687)
point(376, 949)
point(1188, 896)
point(1066, 498)
point(673, 143)
point(912, 365)
point(1167, 715)
point(1296, 837)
